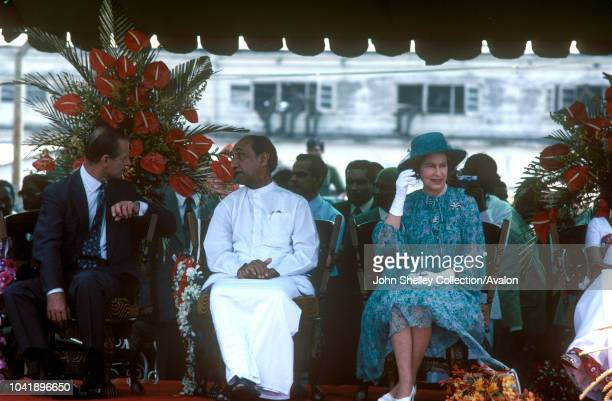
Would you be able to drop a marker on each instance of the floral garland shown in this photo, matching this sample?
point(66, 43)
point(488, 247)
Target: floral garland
point(482, 383)
point(122, 85)
point(553, 384)
point(187, 283)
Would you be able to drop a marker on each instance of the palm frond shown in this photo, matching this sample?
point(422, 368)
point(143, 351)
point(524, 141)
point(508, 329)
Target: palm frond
point(188, 80)
point(49, 137)
point(54, 84)
point(213, 129)
point(79, 59)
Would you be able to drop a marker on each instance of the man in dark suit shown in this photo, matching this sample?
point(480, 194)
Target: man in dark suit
point(343, 304)
point(86, 243)
point(167, 336)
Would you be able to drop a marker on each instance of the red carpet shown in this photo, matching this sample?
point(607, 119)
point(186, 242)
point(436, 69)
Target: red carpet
point(168, 390)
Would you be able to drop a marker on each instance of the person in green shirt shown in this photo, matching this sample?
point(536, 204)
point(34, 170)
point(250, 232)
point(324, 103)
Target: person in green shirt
point(317, 147)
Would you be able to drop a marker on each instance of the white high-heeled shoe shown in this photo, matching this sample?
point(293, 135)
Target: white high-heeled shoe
point(408, 398)
point(387, 397)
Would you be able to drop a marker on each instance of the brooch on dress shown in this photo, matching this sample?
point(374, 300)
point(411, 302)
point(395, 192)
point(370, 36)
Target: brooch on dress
point(455, 205)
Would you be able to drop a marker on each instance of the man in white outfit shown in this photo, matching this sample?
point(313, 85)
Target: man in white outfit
point(260, 245)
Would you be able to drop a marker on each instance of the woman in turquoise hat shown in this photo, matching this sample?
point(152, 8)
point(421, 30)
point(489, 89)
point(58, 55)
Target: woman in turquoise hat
point(414, 322)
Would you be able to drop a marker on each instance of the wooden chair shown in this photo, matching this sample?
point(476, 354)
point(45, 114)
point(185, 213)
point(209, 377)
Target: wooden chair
point(457, 354)
point(307, 340)
point(119, 355)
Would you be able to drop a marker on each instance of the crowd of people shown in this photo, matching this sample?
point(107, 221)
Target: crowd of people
point(261, 245)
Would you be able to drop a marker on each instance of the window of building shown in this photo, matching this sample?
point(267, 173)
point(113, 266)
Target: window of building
point(8, 93)
point(325, 100)
point(445, 99)
point(265, 96)
point(566, 96)
point(411, 96)
point(439, 99)
point(241, 97)
point(34, 93)
point(293, 96)
point(472, 100)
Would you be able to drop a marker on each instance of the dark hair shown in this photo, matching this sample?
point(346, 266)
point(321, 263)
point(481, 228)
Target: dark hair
point(363, 165)
point(262, 144)
point(104, 140)
point(318, 168)
point(485, 167)
point(40, 181)
point(10, 188)
point(282, 178)
point(313, 143)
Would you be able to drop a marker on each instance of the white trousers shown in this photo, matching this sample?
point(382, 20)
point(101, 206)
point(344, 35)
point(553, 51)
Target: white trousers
point(255, 321)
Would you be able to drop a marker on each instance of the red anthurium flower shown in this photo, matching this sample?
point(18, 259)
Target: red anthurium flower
point(189, 156)
point(223, 169)
point(577, 112)
point(200, 144)
point(78, 163)
point(156, 75)
point(175, 138)
point(227, 149)
point(111, 116)
point(100, 61)
point(138, 97)
point(191, 115)
point(182, 184)
point(70, 104)
point(45, 162)
point(541, 224)
point(550, 158)
point(136, 148)
point(154, 163)
point(576, 177)
point(145, 122)
point(594, 126)
point(125, 68)
point(108, 87)
point(135, 41)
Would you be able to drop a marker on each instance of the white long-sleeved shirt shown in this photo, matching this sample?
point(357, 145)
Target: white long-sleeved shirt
point(268, 222)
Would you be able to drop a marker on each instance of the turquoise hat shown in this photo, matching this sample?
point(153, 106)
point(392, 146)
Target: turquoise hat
point(428, 144)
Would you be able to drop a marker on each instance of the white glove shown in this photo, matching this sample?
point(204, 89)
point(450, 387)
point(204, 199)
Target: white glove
point(404, 180)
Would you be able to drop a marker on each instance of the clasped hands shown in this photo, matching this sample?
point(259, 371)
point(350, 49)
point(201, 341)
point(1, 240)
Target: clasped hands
point(257, 269)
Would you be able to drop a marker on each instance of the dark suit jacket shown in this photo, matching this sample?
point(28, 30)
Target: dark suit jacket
point(63, 226)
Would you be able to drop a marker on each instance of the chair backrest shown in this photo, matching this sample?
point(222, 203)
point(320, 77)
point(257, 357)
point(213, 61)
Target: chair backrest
point(20, 231)
point(570, 264)
point(363, 232)
point(328, 237)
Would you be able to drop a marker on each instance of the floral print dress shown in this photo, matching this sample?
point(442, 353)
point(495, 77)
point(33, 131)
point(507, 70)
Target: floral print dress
point(451, 218)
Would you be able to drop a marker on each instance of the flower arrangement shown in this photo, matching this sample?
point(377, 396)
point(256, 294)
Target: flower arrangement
point(553, 384)
point(481, 383)
point(123, 85)
point(569, 174)
point(187, 279)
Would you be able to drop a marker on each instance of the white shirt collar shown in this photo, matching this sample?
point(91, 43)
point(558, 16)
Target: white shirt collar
point(181, 199)
point(90, 183)
point(265, 189)
point(365, 207)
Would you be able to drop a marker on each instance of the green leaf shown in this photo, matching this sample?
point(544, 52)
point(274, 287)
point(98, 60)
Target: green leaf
point(79, 59)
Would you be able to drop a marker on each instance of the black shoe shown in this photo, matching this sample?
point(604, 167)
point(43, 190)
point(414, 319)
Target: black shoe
point(242, 390)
